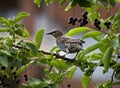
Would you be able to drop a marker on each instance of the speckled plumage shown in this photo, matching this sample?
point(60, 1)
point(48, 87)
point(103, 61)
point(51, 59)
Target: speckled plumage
point(65, 43)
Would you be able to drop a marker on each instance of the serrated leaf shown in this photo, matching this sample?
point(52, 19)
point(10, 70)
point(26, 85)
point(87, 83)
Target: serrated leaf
point(77, 30)
point(37, 2)
point(71, 73)
point(39, 37)
point(4, 61)
point(92, 48)
point(21, 15)
point(85, 81)
point(107, 57)
point(91, 34)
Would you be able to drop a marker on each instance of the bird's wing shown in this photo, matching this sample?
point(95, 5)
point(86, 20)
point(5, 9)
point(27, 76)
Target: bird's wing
point(67, 39)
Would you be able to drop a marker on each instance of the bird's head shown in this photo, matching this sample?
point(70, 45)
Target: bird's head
point(55, 33)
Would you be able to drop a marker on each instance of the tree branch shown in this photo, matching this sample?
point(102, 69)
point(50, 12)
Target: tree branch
point(48, 53)
point(58, 56)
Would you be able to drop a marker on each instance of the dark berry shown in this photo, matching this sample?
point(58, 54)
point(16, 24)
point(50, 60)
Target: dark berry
point(14, 73)
point(15, 77)
point(11, 67)
point(26, 79)
point(118, 56)
point(71, 18)
point(5, 76)
point(98, 27)
point(69, 22)
point(109, 23)
point(69, 85)
point(25, 75)
point(86, 13)
point(3, 68)
point(18, 81)
point(73, 23)
point(75, 19)
point(79, 20)
point(6, 85)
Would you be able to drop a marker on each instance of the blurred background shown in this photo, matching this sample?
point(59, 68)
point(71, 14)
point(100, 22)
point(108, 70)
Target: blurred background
point(53, 17)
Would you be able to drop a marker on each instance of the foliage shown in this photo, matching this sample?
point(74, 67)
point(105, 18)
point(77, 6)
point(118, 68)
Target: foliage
point(17, 52)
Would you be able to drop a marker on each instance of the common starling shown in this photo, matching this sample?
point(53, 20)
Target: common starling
point(65, 43)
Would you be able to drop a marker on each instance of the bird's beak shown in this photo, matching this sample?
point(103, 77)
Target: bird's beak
point(48, 33)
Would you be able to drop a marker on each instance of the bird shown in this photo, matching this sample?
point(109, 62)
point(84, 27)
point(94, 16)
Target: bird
point(65, 43)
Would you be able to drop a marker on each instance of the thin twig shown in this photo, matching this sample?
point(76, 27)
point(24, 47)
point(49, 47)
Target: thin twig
point(112, 77)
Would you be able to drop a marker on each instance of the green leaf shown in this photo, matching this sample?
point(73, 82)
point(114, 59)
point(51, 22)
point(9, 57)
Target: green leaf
point(107, 57)
point(112, 3)
point(117, 1)
point(49, 1)
point(106, 43)
point(26, 33)
point(117, 17)
point(77, 30)
point(104, 2)
point(91, 34)
point(85, 81)
point(5, 52)
point(21, 15)
point(4, 21)
point(55, 49)
point(38, 38)
point(34, 80)
point(4, 61)
point(3, 29)
point(59, 64)
point(69, 6)
point(33, 48)
point(71, 73)
point(84, 3)
point(62, 2)
point(37, 2)
point(117, 75)
point(19, 31)
point(92, 48)
point(119, 39)
point(23, 67)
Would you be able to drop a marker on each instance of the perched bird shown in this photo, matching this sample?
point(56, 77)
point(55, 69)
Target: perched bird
point(65, 43)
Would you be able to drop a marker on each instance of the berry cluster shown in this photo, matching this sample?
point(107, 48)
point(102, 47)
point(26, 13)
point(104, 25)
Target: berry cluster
point(82, 21)
point(15, 77)
point(97, 24)
point(107, 24)
point(26, 77)
point(72, 20)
